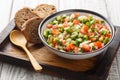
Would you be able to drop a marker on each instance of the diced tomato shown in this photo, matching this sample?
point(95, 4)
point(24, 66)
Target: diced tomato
point(70, 47)
point(76, 50)
point(63, 42)
point(55, 31)
point(76, 21)
point(99, 26)
point(91, 33)
point(65, 24)
point(76, 14)
point(93, 39)
point(49, 26)
point(55, 43)
point(84, 29)
point(105, 27)
point(108, 35)
point(55, 26)
point(98, 44)
point(86, 47)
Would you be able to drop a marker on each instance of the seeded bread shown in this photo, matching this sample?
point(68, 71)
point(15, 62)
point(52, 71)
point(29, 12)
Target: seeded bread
point(43, 10)
point(23, 15)
point(30, 29)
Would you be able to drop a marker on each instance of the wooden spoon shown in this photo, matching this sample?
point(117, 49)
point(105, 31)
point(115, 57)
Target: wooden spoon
point(18, 39)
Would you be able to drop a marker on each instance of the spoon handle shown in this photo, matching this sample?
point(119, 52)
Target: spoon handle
point(33, 61)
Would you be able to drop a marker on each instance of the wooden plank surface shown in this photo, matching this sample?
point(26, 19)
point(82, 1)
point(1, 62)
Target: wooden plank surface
point(108, 8)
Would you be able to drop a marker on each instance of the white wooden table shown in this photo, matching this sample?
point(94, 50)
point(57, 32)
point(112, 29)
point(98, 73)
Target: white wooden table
point(8, 8)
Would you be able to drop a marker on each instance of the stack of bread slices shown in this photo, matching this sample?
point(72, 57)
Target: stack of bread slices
point(27, 20)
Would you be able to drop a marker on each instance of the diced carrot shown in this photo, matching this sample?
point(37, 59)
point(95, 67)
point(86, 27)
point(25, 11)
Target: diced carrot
point(86, 47)
point(98, 44)
point(84, 29)
point(55, 31)
point(108, 35)
point(70, 47)
point(76, 14)
point(49, 26)
point(76, 21)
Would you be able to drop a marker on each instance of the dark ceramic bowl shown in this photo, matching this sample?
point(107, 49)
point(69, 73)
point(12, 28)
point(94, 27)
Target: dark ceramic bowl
point(79, 55)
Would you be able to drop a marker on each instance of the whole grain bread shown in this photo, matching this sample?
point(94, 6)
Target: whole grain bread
point(43, 10)
point(30, 30)
point(23, 15)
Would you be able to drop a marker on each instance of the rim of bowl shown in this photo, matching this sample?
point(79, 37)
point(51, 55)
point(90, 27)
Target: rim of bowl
point(72, 11)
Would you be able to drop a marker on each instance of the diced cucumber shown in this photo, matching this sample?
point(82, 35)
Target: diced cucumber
point(80, 35)
point(88, 23)
point(85, 37)
point(93, 22)
point(51, 23)
point(64, 16)
point(102, 21)
point(51, 44)
point(58, 18)
point(69, 30)
point(101, 39)
point(90, 18)
point(103, 32)
point(84, 21)
point(106, 40)
point(93, 48)
point(55, 22)
point(56, 39)
point(74, 35)
point(78, 41)
point(46, 33)
point(61, 29)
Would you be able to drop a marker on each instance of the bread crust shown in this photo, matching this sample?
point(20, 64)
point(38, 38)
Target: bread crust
point(43, 10)
point(22, 16)
point(30, 29)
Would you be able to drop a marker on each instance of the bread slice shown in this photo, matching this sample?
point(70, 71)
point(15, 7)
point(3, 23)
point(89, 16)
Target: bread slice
point(43, 10)
point(30, 30)
point(23, 15)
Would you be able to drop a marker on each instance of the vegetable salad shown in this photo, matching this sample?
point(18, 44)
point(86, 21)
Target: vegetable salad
point(76, 33)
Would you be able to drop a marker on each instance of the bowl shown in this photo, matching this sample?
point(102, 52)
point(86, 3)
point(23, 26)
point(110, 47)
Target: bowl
point(67, 54)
